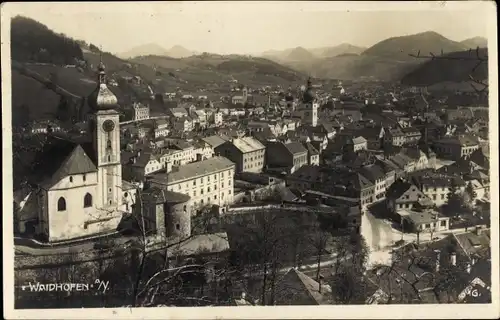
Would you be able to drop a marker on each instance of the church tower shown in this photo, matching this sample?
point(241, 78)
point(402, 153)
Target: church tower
point(105, 128)
point(310, 105)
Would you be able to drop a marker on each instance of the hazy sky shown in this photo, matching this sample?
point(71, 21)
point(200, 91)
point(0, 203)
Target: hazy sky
point(251, 27)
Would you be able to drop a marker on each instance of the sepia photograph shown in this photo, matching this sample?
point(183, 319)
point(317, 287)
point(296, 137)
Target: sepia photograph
point(167, 159)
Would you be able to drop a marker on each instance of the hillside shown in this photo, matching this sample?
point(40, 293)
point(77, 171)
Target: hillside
point(179, 52)
point(399, 48)
point(354, 67)
point(211, 68)
point(33, 41)
point(144, 50)
point(341, 49)
point(299, 54)
point(453, 67)
point(388, 60)
point(45, 89)
point(473, 43)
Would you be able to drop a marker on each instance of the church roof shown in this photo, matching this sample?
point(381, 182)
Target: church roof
point(60, 158)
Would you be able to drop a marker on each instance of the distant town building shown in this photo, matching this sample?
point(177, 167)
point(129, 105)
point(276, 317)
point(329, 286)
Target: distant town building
point(243, 99)
point(141, 112)
point(247, 153)
point(454, 148)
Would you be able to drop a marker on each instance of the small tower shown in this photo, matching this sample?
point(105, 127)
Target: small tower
point(310, 105)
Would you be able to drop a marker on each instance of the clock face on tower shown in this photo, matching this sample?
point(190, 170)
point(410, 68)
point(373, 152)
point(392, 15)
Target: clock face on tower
point(108, 125)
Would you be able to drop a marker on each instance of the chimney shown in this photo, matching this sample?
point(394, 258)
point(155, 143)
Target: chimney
point(453, 259)
point(438, 259)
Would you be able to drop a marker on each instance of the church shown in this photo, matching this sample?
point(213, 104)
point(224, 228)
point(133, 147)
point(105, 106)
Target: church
point(76, 187)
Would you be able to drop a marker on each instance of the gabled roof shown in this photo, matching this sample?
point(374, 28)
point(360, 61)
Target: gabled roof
point(60, 158)
point(295, 148)
point(214, 141)
point(311, 149)
point(248, 144)
point(373, 172)
point(194, 169)
point(398, 188)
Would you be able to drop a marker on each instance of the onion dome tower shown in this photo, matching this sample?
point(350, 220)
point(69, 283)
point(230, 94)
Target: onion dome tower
point(102, 98)
point(308, 96)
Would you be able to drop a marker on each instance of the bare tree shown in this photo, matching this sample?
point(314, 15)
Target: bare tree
point(262, 249)
point(348, 282)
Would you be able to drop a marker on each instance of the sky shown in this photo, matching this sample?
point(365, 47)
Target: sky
point(255, 27)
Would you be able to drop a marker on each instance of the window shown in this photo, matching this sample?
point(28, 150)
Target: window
point(84, 178)
point(125, 194)
point(109, 158)
point(177, 226)
point(109, 190)
point(442, 196)
point(427, 225)
point(433, 197)
point(443, 223)
point(185, 207)
point(108, 145)
point(70, 179)
point(87, 200)
point(61, 204)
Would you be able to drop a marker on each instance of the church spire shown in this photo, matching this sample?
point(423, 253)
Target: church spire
point(101, 70)
point(102, 98)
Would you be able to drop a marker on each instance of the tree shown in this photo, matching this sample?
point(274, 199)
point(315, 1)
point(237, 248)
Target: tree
point(469, 189)
point(160, 273)
point(454, 200)
point(348, 287)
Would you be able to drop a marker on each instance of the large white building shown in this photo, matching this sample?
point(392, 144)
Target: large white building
point(76, 187)
point(207, 182)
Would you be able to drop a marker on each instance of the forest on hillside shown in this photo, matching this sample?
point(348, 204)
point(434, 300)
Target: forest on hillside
point(32, 41)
